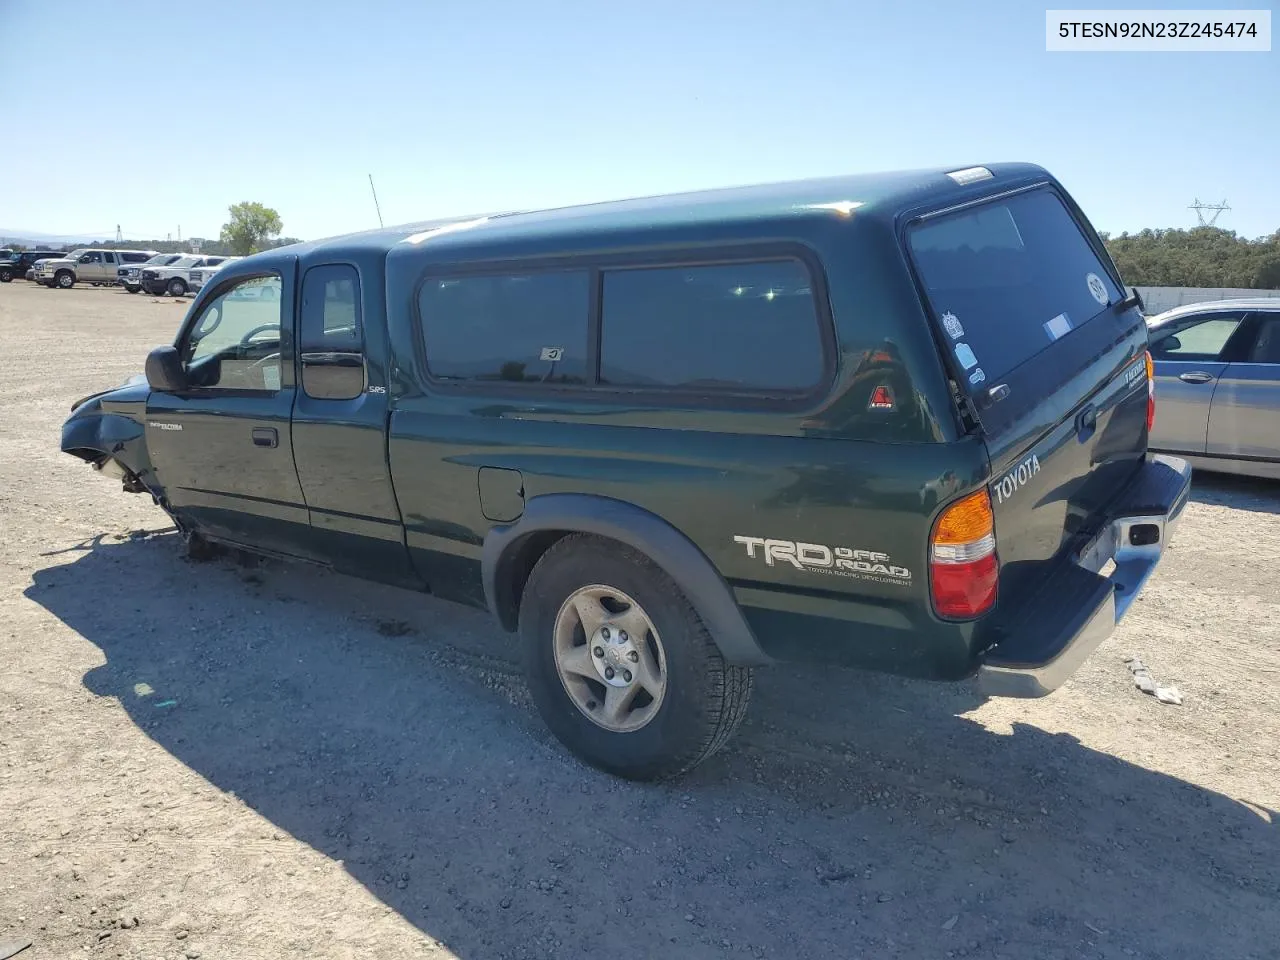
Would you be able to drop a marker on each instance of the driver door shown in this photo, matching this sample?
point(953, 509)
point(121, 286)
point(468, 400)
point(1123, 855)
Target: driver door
point(221, 448)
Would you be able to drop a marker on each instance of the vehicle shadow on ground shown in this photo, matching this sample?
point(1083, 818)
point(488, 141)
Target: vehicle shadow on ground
point(1242, 493)
point(854, 816)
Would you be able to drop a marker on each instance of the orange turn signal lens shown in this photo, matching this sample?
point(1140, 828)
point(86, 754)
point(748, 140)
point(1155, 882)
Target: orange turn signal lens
point(966, 520)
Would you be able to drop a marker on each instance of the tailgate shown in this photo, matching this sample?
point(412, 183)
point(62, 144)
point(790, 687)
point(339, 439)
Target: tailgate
point(1048, 361)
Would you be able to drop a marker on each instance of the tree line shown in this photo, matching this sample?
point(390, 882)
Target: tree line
point(251, 228)
point(1200, 257)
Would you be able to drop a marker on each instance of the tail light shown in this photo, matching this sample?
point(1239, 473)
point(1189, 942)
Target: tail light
point(962, 559)
point(1151, 391)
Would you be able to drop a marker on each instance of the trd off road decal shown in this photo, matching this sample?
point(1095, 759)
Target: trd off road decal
point(1012, 482)
point(819, 558)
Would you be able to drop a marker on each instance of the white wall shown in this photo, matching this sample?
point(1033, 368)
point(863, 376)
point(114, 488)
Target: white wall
point(1160, 299)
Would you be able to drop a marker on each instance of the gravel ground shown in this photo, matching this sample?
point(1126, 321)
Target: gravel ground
point(254, 761)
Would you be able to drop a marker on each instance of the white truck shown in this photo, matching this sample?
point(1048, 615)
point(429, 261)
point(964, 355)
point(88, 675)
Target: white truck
point(174, 279)
point(199, 276)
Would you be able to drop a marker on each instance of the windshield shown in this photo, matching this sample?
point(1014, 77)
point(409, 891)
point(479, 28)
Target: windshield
point(185, 262)
point(1008, 278)
point(161, 258)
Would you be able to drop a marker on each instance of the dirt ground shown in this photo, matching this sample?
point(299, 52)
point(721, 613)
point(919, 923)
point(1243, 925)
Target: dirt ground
point(228, 761)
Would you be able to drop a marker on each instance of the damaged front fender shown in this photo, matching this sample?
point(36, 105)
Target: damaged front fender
point(107, 430)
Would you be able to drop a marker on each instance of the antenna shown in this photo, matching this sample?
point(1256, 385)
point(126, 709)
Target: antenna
point(1201, 208)
point(375, 199)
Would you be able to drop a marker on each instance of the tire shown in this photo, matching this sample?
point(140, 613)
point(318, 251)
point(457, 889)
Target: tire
point(5, 274)
point(133, 289)
point(64, 280)
point(177, 287)
point(702, 699)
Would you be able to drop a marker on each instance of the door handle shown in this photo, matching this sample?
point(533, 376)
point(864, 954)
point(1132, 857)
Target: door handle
point(1086, 422)
point(265, 437)
point(1195, 376)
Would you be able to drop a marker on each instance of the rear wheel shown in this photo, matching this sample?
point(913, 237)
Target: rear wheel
point(64, 279)
point(622, 669)
point(177, 287)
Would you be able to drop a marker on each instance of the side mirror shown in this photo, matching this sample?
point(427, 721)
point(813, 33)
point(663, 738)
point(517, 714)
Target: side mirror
point(86, 258)
point(164, 370)
point(1169, 344)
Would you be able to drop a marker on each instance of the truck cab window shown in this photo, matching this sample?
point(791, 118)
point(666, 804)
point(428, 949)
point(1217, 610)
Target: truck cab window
point(235, 343)
point(332, 335)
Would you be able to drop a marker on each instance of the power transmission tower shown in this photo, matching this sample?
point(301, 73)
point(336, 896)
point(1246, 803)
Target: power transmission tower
point(1202, 208)
point(119, 236)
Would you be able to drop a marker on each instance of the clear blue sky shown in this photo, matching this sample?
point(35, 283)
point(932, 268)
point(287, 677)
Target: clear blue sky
point(172, 111)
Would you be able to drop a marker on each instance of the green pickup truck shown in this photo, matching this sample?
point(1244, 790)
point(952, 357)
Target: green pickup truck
point(896, 421)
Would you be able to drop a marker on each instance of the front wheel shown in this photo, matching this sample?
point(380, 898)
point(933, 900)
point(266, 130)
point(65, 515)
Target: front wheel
point(5, 274)
point(65, 280)
point(622, 670)
point(177, 287)
point(133, 289)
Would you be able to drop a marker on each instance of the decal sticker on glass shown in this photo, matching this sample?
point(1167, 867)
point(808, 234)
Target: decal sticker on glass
point(1059, 326)
point(271, 378)
point(552, 354)
point(977, 377)
point(951, 323)
point(964, 353)
point(1098, 289)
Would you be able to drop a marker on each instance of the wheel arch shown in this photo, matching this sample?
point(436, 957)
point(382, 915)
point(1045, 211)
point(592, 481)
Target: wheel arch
point(511, 551)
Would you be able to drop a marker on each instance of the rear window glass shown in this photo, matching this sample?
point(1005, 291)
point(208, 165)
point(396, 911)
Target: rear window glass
point(522, 328)
point(1008, 278)
point(738, 326)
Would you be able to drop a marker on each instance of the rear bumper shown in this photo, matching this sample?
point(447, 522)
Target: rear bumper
point(1048, 639)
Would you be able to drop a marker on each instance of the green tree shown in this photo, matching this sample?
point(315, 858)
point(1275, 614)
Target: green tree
point(1200, 257)
point(251, 228)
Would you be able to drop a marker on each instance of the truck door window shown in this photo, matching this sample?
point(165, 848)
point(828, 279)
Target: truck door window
point(332, 333)
point(1201, 340)
point(235, 343)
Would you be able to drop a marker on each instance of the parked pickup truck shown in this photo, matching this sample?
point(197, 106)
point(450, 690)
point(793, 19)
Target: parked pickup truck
point(199, 276)
point(129, 275)
point(16, 263)
point(173, 278)
point(897, 420)
point(97, 267)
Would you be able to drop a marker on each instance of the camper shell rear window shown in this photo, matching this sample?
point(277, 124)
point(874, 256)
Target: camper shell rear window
point(1007, 278)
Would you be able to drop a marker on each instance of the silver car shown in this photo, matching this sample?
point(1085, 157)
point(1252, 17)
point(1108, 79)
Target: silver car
point(1217, 373)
